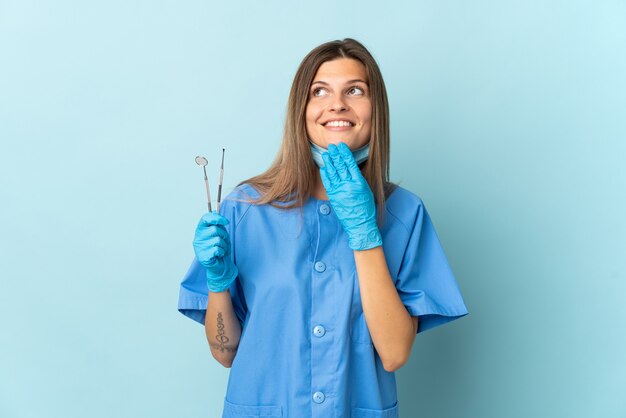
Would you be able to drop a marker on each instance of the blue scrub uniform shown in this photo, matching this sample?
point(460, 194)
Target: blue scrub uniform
point(305, 349)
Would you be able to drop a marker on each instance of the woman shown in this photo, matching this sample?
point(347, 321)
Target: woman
point(320, 272)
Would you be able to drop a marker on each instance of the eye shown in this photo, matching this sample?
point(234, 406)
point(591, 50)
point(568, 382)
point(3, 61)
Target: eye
point(356, 91)
point(319, 91)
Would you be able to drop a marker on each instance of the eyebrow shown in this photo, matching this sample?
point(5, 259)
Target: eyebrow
point(347, 82)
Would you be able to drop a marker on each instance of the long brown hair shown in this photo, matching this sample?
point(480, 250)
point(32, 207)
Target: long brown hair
point(292, 176)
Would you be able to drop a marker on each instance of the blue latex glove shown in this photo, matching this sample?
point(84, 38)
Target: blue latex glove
point(212, 247)
point(351, 197)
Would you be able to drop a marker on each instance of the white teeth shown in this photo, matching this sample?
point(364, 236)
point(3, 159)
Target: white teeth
point(338, 123)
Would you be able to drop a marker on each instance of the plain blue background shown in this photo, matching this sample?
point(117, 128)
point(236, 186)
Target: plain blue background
point(508, 119)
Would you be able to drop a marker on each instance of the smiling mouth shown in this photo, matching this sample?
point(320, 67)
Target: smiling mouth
point(338, 123)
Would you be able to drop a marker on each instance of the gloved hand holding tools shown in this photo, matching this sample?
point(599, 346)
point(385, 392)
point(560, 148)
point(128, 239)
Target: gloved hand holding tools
point(212, 247)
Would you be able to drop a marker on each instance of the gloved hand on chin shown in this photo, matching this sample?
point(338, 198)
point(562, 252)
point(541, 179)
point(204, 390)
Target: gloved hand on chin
point(350, 197)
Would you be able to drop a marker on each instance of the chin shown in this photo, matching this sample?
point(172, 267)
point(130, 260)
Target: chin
point(336, 141)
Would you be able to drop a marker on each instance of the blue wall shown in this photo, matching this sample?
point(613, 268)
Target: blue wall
point(508, 119)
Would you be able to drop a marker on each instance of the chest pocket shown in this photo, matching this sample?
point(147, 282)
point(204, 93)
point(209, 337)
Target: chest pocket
point(232, 410)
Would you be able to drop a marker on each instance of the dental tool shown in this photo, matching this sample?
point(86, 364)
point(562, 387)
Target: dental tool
point(201, 161)
point(219, 186)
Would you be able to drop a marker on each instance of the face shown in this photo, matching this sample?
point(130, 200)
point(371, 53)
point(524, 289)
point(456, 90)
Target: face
point(339, 108)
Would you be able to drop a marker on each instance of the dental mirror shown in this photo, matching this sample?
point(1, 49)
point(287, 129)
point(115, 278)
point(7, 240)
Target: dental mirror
point(201, 161)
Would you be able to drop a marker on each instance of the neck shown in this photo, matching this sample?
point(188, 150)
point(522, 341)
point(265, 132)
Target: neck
point(319, 192)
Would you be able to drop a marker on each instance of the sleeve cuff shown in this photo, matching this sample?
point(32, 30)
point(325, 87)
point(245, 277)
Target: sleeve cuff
point(432, 316)
point(192, 305)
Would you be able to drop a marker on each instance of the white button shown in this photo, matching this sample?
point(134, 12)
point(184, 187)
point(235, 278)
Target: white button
point(319, 331)
point(324, 209)
point(318, 397)
point(320, 266)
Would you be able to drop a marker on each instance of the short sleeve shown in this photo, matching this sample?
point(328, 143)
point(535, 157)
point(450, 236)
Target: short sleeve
point(425, 282)
point(194, 293)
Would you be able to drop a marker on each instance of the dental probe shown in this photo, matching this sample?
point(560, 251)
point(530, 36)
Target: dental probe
point(219, 186)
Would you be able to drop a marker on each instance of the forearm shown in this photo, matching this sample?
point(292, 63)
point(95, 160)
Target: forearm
point(391, 327)
point(222, 327)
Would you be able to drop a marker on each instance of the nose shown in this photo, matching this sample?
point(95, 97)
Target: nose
point(338, 104)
